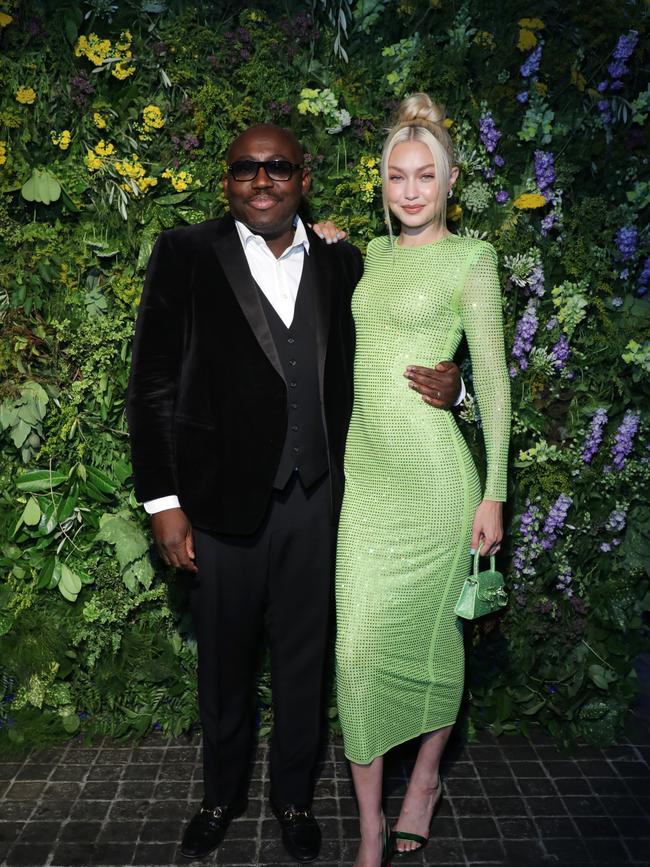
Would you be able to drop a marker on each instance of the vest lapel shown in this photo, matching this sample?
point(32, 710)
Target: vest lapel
point(232, 259)
point(321, 269)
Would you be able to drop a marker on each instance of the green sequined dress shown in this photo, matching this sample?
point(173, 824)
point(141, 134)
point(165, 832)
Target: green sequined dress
point(411, 488)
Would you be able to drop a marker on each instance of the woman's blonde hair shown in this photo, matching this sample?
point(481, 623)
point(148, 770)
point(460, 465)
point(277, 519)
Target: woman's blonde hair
point(420, 119)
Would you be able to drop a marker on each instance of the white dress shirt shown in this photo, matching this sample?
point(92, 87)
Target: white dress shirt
point(279, 279)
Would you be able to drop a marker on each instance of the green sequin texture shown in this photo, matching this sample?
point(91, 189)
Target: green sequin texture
point(411, 489)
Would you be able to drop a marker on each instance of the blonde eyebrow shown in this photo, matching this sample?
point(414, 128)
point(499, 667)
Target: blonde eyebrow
point(419, 168)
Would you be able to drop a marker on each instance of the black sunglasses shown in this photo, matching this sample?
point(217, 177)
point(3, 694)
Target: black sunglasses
point(277, 170)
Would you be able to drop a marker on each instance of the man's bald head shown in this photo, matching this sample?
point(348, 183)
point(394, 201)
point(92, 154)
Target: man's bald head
point(250, 137)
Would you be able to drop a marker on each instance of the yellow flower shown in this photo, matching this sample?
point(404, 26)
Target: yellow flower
point(3, 152)
point(454, 213)
point(62, 139)
point(528, 201)
point(447, 123)
point(137, 173)
point(180, 182)
point(152, 117)
point(94, 48)
point(25, 95)
point(103, 149)
point(122, 71)
point(93, 162)
point(123, 47)
point(527, 40)
point(99, 120)
point(531, 23)
point(5, 20)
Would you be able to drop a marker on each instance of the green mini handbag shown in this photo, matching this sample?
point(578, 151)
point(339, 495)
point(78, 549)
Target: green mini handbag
point(482, 593)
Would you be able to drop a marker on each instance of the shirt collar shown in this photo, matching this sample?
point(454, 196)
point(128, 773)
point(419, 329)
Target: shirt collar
point(300, 237)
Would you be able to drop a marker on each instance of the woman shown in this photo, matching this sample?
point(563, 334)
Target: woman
point(413, 506)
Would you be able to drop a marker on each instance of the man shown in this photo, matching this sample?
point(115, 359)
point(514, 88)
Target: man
point(238, 406)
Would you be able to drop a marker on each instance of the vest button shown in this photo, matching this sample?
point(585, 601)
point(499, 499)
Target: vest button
point(293, 383)
point(294, 427)
point(295, 450)
point(290, 340)
point(294, 406)
point(292, 362)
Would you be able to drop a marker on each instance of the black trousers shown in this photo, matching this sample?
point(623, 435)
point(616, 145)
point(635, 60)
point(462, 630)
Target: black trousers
point(277, 581)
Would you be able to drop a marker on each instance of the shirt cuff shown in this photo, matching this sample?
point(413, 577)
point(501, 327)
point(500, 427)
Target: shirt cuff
point(463, 393)
point(161, 503)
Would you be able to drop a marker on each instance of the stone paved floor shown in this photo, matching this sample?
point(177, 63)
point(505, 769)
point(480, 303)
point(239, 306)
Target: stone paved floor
point(506, 802)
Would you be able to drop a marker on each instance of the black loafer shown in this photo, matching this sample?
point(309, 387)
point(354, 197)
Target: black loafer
point(207, 829)
point(300, 832)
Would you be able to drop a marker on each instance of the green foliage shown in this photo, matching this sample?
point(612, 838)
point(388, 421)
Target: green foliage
point(114, 126)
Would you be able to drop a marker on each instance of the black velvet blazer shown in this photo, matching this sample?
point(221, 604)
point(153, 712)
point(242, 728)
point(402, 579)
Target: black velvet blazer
point(207, 401)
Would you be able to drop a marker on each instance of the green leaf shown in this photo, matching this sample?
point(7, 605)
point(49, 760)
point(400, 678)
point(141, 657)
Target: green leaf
point(71, 723)
point(20, 433)
point(131, 548)
point(36, 481)
point(70, 580)
point(172, 199)
point(101, 481)
point(32, 512)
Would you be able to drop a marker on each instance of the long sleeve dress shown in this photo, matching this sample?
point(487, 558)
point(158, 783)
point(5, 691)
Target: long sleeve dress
point(411, 488)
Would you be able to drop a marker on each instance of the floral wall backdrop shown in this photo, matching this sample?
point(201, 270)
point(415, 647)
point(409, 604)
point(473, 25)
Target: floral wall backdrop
point(114, 118)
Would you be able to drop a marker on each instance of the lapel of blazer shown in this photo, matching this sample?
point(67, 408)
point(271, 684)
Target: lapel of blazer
point(232, 259)
point(321, 266)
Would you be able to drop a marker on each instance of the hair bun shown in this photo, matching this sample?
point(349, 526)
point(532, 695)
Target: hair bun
point(419, 107)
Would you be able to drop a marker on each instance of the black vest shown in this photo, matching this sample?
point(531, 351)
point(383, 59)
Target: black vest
point(305, 444)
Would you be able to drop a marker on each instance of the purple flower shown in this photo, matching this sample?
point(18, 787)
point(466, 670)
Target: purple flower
point(626, 45)
point(616, 85)
point(552, 322)
point(565, 577)
point(626, 240)
point(499, 161)
point(522, 97)
point(624, 438)
point(536, 281)
point(555, 521)
point(488, 132)
point(547, 224)
point(81, 89)
point(544, 169)
point(528, 551)
point(602, 87)
point(501, 196)
point(617, 302)
point(616, 521)
point(525, 334)
point(531, 65)
point(488, 173)
point(605, 547)
point(618, 69)
point(595, 435)
point(561, 353)
point(644, 278)
point(603, 105)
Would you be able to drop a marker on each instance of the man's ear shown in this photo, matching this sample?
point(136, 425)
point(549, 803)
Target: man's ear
point(306, 181)
point(224, 185)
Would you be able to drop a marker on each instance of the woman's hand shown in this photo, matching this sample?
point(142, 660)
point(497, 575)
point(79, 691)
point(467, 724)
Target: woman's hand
point(329, 232)
point(488, 527)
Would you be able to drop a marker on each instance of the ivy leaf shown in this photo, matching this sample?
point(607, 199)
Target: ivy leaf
point(131, 548)
point(71, 723)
